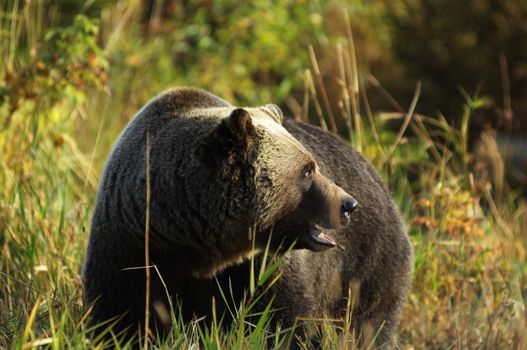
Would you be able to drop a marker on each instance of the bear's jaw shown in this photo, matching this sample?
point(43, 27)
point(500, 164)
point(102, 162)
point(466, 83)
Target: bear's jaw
point(319, 237)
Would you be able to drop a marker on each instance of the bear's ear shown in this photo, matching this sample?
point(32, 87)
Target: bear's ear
point(274, 112)
point(240, 128)
point(231, 138)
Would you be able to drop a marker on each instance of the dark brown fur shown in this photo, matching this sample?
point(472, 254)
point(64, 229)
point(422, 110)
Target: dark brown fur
point(217, 172)
point(377, 255)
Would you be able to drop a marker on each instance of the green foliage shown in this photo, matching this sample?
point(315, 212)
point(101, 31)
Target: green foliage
point(69, 62)
point(44, 183)
point(243, 50)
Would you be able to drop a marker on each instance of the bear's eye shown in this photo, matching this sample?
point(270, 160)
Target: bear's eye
point(308, 170)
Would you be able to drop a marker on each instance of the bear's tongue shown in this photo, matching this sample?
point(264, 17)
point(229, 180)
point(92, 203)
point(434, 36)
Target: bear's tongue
point(321, 237)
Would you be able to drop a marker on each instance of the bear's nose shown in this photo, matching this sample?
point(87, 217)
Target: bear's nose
point(348, 205)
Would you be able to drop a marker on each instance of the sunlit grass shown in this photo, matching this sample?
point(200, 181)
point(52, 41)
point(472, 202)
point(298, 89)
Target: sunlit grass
point(59, 118)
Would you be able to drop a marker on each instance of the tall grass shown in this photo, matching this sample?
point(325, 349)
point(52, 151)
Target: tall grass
point(62, 106)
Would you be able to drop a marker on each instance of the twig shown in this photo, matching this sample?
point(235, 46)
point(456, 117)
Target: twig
point(147, 243)
point(407, 119)
point(506, 86)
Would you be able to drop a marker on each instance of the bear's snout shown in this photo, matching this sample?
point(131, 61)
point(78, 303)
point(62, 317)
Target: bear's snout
point(333, 205)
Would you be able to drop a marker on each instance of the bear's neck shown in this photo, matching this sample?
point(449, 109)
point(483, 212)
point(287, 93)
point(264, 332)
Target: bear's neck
point(201, 262)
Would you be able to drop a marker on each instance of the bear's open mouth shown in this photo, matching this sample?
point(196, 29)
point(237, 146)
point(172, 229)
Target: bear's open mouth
point(320, 237)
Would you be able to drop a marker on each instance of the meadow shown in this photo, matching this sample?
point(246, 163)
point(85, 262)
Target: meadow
point(68, 85)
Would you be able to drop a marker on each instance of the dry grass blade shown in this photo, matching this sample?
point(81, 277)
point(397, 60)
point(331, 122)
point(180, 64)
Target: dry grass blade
point(116, 33)
point(96, 144)
point(369, 114)
point(387, 96)
point(147, 245)
point(353, 81)
point(318, 108)
point(506, 87)
point(342, 82)
point(305, 103)
point(407, 119)
point(323, 92)
point(31, 319)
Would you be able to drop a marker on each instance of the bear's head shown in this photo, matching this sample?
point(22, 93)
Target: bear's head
point(272, 183)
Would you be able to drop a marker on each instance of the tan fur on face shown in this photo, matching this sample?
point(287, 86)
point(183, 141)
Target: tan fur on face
point(279, 166)
point(280, 160)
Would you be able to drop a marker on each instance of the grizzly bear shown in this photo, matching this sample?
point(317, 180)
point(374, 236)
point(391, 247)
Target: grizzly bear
point(224, 184)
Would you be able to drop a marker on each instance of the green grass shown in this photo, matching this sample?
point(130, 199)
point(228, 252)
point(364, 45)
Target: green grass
point(64, 98)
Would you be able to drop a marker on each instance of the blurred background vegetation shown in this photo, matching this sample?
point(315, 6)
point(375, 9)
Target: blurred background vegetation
point(433, 92)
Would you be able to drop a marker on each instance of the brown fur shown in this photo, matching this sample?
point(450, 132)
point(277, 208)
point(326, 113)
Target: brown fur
point(221, 175)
